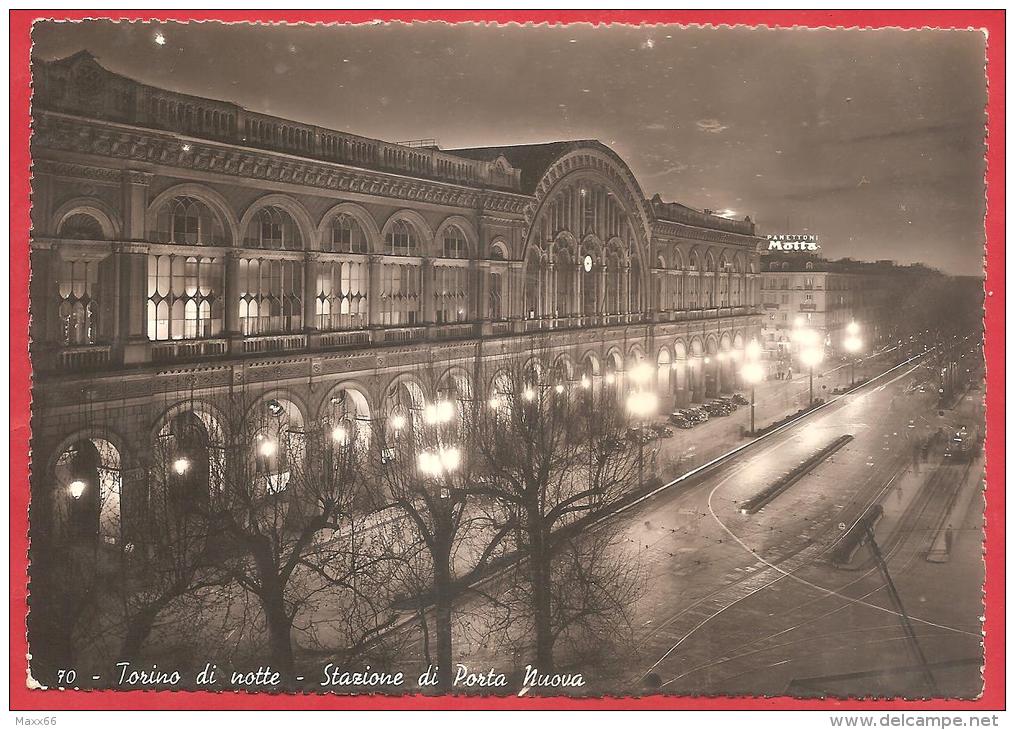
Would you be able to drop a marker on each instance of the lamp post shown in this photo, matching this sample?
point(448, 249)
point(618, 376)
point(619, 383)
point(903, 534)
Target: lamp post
point(752, 372)
point(641, 405)
point(852, 343)
point(811, 354)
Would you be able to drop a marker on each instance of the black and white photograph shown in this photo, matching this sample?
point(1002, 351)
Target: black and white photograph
point(567, 360)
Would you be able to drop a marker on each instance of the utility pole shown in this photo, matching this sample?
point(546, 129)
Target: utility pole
point(907, 625)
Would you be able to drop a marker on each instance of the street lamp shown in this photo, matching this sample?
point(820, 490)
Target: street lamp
point(440, 412)
point(641, 405)
point(181, 465)
point(752, 372)
point(852, 343)
point(440, 461)
point(76, 488)
point(641, 373)
point(810, 356)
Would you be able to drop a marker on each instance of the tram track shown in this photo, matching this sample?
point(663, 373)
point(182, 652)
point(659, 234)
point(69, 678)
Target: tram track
point(786, 566)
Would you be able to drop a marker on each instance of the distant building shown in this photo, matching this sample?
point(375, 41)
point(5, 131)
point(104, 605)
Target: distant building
point(802, 289)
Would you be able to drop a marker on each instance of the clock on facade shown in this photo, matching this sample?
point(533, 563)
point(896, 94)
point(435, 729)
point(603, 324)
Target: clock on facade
point(587, 263)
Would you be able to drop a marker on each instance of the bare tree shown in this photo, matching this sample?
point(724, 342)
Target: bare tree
point(554, 455)
point(283, 497)
point(448, 533)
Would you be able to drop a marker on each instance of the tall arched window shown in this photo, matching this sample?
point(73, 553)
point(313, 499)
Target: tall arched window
point(451, 293)
point(637, 303)
point(341, 295)
point(273, 228)
point(345, 235)
point(77, 288)
point(271, 296)
point(81, 227)
point(455, 244)
point(184, 297)
point(184, 219)
point(401, 239)
point(400, 294)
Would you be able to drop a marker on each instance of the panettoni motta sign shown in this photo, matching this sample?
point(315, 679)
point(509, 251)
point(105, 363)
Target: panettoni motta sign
point(792, 242)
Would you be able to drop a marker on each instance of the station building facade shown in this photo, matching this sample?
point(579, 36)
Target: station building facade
point(184, 247)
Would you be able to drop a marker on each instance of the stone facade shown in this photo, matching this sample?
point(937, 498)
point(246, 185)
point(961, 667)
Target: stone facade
point(186, 247)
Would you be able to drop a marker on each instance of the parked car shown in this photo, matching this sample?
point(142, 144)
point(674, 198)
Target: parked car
point(698, 415)
point(740, 400)
point(661, 431)
point(640, 435)
point(680, 419)
point(718, 408)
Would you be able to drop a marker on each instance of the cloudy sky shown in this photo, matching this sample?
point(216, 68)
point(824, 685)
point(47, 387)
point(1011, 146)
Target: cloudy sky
point(871, 139)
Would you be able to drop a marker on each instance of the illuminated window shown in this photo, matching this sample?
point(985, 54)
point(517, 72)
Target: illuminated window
point(81, 227)
point(271, 296)
point(401, 239)
point(273, 228)
point(341, 295)
point(400, 294)
point(495, 304)
point(187, 220)
point(345, 236)
point(455, 246)
point(184, 297)
point(451, 293)
point(77, 286)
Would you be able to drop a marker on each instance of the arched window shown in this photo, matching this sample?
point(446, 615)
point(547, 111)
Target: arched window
point(185, 300)
point(77, 288)
point(455, 245)
point(534, 277)
point(81, 227)
point(451, 293)
point(345, 235)
point(341, 295)
point(400, 294)
point(188, 220)
point(273, 228)
point(271, 296)
point(401, 239)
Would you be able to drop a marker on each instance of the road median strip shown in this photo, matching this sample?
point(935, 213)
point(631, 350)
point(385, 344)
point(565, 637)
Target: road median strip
point(787, 480)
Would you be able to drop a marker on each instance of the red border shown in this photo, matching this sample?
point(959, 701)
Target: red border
point(21, 698)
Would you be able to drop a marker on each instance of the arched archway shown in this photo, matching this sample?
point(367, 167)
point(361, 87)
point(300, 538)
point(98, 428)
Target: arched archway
point(346, 411)
point(88, 488)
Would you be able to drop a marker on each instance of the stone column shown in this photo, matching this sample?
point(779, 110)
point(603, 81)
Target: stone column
point(45, 314)
point(479, 274)
point(310, 266)
point(132, 334)
point(427, 290)
point(135, 204)
point(550, 292)
point(374, 290)
point(601, 296)
point(232, 302)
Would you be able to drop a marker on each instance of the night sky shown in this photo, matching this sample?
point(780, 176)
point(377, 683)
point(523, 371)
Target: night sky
point(871, 139)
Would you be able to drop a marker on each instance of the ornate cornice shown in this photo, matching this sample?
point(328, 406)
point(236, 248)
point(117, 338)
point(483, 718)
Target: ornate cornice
point(683, 230)
point(63, 133)
point(106, 175)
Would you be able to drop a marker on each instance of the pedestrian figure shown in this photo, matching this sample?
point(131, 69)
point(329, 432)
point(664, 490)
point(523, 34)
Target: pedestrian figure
point(949, 539)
